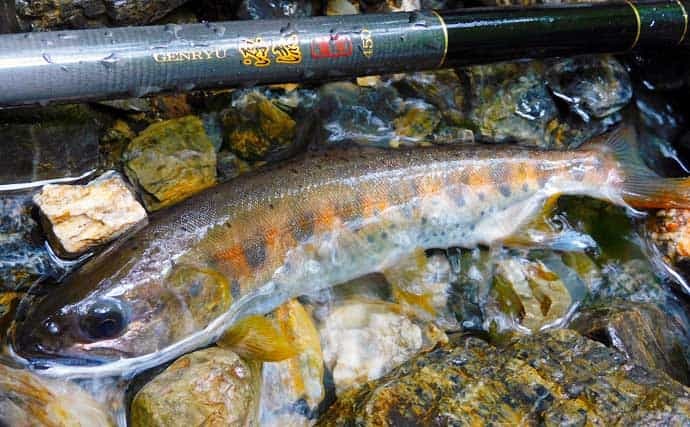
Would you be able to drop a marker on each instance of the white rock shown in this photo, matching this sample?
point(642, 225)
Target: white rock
point(79, 217)
point(364, 340)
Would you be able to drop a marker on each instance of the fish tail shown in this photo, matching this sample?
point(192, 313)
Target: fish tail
point(641, 186)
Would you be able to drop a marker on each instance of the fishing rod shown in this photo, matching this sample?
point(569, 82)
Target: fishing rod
point(135, 61)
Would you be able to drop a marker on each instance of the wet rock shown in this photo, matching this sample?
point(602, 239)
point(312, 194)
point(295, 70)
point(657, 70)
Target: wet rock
point(113, 144)
point(511, 102)
point(8, 305)
point(293, 389)
point(592, 86)
point(47, 143)
point(24, 259)
point(474, 272)
point(262, 125)
point(170, 161)
point(633, 280)
point(550, 378)
point(207, 387)
point(669, 230)
point(342, 7)
point(381, 116)
point(266, 9)
point(423, 286)
point(363, 340)
point(377, 6)
point(26, 399)
point(529, 293)
point(80, 217)
point(47, 15)
point(649, 335)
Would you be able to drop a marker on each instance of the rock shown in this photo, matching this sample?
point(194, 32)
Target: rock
point(511, 102)
point(207, 387)
point(80, 217)
point(24, 259)
point(50, 15)
point(474, 276)
point(8, 306)
point(27, 399)
point(669, 230)
point(262, 124)
point(363, 340)
point(380, 116)
point(592, 86)
point(265, 9)
point(649, 335)
point(171, 161)
point(47, 143)
point(113, 144)
point(293, 389)
point(342, 7)
point(546, 379)
point(529, 293)
point(424, 287)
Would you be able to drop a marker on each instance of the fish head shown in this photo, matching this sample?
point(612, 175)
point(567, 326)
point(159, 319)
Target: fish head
point(89, 319)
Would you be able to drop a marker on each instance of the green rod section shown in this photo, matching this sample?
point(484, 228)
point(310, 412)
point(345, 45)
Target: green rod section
point(37, 68)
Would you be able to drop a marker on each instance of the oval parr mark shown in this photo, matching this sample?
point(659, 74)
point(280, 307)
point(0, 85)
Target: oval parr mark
point(255, 252)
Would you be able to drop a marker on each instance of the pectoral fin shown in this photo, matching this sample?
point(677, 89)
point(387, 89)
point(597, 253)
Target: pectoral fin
point(256, 338)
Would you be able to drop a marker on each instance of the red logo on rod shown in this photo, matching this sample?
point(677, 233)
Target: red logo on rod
point(335, 46)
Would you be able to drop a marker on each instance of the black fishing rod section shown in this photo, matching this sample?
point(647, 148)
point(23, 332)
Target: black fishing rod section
point(40, 67)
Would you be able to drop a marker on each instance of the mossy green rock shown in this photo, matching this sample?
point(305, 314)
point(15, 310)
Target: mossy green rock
point(548, 379)
point(206, 388)
point(256, 128)
point(170, 161)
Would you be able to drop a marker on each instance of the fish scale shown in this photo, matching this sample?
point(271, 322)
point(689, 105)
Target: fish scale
point(323, 218)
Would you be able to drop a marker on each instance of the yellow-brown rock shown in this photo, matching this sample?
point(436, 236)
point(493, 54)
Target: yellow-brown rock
point(211, 387)
point(170, 161)
point(80, 217)
point(27, 400)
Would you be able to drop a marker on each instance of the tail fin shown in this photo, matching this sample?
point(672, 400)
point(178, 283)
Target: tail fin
point(642, 187)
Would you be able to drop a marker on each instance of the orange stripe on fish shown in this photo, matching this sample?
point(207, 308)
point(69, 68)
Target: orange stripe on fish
point(236, 258)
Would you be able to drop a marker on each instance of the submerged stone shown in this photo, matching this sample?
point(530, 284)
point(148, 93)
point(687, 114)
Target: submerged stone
point(364, 339)
point(27, 399)
point(263, 124)
point(529, 293)
point(592, 86)
point(80, 217)
point(207, 387)
point(47, 143)
point(669, 230)
point(650, 335)
point(549, 378)
point(24, 258)
point(170, 161)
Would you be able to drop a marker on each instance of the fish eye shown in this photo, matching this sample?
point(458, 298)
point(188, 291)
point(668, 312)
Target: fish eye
point(103, 319)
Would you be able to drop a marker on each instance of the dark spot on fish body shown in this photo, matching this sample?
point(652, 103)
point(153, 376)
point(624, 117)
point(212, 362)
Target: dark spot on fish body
point(481, 196)
point(235, 289)
point(370, 238)
point(504, 189)
point(303, 226)
point(255, 252)
point(525, 187)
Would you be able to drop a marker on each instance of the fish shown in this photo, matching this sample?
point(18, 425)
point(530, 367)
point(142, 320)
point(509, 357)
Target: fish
point(239, 250)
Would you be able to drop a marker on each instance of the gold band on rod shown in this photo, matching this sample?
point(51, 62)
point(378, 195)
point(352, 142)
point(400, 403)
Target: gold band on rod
point(445, 38)
point(639, 24)
point(685, 21)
